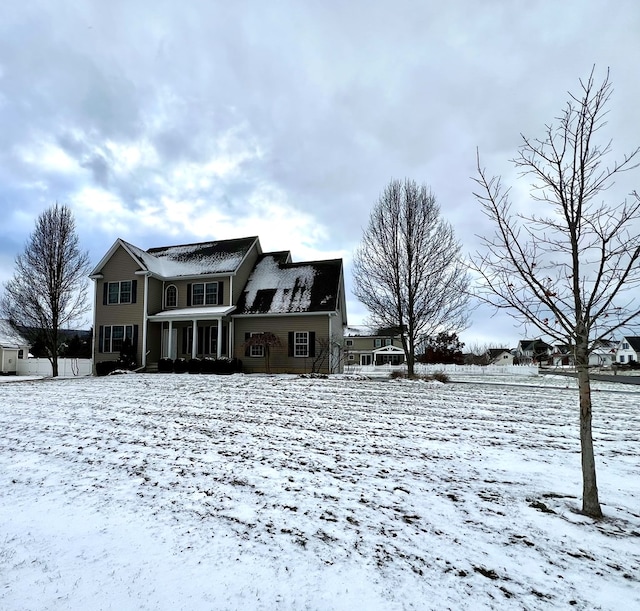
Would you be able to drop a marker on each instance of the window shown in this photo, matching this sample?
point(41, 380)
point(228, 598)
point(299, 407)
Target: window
point(387, 342)
point(21, 354)
point(301, 343)
point(120, 292)
point(204, 293)
point(377, 343)
point(171, 297)
point(625, 346)
point(622, 358)
point(256, 350)
point(114, 336)
point(352, 357)
point(349, 342)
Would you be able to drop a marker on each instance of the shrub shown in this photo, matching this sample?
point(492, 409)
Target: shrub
point(165, 366)
point(441, 376)
point(104, 368)
point(208, 366)
point(180, 366)
point(195, 365)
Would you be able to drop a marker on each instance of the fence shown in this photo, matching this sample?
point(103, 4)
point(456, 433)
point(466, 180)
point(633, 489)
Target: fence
point(66, 367)
point(492, 370)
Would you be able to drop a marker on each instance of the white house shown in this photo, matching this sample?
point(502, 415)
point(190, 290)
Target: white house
point(628, 350)
point(13, 347)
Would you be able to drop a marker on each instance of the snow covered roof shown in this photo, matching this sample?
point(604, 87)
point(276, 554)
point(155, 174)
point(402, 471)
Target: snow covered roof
point(203, 313)
point(9, 337)
point(277, 286)
point(203, 258)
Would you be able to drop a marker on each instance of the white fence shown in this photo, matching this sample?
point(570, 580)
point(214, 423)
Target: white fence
point(492, 370)
point(66, 367)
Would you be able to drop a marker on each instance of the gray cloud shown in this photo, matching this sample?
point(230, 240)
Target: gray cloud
point(317, 104)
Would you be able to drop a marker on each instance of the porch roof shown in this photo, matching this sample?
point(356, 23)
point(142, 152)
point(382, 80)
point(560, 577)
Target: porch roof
point(203, 313)
point(388, 350)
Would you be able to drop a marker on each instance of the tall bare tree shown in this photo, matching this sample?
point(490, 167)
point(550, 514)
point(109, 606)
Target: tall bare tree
point(48, 289)
point(407, 270)
point(567, 263)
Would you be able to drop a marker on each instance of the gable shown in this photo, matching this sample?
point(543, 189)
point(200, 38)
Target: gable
point(9, 337)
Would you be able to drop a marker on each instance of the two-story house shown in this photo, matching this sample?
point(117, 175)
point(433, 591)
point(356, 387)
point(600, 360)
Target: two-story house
point(533, 351)
point(204, 300)
point(365, 347)
point(628, 350)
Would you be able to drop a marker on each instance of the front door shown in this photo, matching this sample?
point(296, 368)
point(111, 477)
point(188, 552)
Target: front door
point(366, 359)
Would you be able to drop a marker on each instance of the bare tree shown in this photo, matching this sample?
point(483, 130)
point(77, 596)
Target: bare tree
point(264, 342)
point(48, 289)
point(570, 267)
point(407, 270)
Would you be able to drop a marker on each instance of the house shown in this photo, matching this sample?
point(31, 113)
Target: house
point(499, 356)
point(602, 354)
point(207, 299)
point(365, 347)
point(533, 351)
point(13, 347)
point(628, 350)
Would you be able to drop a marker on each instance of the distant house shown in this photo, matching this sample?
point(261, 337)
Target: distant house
point(533, 351)
point(499, 356)
point(628, 350)
point(13, 347)
point(365, 347)
point(602, 354)
point(207, 299)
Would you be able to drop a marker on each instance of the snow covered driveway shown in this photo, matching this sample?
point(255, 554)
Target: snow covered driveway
point(167, 492)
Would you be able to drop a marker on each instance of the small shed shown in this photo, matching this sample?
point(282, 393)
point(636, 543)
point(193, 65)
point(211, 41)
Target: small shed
point(13, 347)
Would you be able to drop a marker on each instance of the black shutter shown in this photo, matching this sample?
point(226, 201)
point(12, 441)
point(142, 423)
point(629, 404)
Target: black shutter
point(101, 338)
point(220, 293)
point(247, 349)
point(134, 340)
point(134, 291)
point(312, 343)
point(291, 336)
point(105, 290)
point(189, 294)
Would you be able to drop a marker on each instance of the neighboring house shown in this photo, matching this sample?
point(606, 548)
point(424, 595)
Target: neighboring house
point(602, 354)
point(13, 347)
point(499, 356)
point(533, 351)
point(372, 347)
point(628, 350)
point(206, 299)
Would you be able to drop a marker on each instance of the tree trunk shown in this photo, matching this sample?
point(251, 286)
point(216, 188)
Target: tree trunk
point(590, 502)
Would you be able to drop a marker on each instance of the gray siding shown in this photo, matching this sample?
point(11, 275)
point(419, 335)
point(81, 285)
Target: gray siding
point(119, 267)
point(280, 361)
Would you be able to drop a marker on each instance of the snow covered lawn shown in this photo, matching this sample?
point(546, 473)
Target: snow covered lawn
point(169, 492)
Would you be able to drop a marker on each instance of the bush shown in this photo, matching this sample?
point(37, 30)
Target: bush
point(441, 376)
point(180, 366)
point(208, 365)
point(104, 368)
point(165, 366)
point(195, 365)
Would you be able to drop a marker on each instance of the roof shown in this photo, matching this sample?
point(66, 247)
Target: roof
point(634, 342)
point(9, 337)
point(494, 352)
point(202, 258)
point(202, 313)
point(277, 286)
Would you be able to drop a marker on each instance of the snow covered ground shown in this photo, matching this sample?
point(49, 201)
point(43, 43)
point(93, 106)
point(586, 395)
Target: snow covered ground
point(170, 492)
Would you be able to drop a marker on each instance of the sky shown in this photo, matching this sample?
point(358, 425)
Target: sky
point(167, 123)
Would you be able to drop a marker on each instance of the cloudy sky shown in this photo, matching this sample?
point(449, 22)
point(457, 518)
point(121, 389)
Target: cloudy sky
point(166, 122)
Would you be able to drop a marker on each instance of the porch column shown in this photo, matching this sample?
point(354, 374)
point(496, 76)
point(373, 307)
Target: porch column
point(194, 343)
point(170, 340)
point(219, 342)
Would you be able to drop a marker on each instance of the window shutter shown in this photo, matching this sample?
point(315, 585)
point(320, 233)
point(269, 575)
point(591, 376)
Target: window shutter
point(220, 293)
point(189, 294)
point(134, 340)
point(134, 291)
point(105, 289)
point(101, 337)
point(247, 349)
point(291, 336)
point(312, 343)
